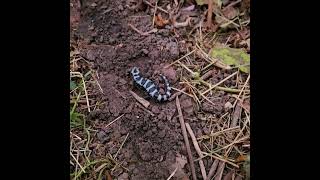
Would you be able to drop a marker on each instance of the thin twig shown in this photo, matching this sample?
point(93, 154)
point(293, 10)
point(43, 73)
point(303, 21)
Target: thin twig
point(77, 162)
point(204, 77)
point(221, 159)
point(182, 24)
point(114, 121)
point(196, 146)
point(210, 11)
point(78, 74)
point(143, 33)
point(178, 93)
point(236, 115)
point(144, 102)
point(230, 76)
point(194, 94)
point(213, 169)
point(138, 104)
point(185, 136)
point(218, 133)
point(181, 91)
point(241, 90)
point(115, 156)
point(207, 75)
point(233, 3)
point(172, 174)
point(234, 142)
point(154, 14)
point(161, 9)
point(219, 171)
point(230, 90)
point(179, 59)
point(236, 139)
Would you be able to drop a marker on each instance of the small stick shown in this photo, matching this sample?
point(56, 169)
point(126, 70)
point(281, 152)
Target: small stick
point(178, 93)
point(210, 11)
point(145, 109)
point(181, 91)
point(212, 61)
point(234, 142)
point(220, 171)
point(78, 74)
point(219, 83)
point(229, 175)
point(82, 169)
point(241, 90)
point(230, 90)
point(213, 169)
point(144, 102)
point(204, 77)
point(196, 146)
point(233, 3)
point(180, 58)
point(154, 14)
point(221, 159)
point(236, 115)
point(113, 121)
point(142, 33)
point(115, 156)
point(172, 174)
point(218, 133)
point(182, 24)
point(148, 3)
point(185, 137)
point(207, 75)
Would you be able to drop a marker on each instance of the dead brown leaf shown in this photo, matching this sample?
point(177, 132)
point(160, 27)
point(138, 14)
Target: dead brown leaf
point(160, 21)
point(241, 158)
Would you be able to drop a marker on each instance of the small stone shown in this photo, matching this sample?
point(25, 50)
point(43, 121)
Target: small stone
point(228, 106)
point(160, 125)
point(123, 131)
point(91, 55)
point(91, 28)
point(131, 167)
point(120, 7)
point(162, 134)
point(206, 130)
point(135, 171)
point(94, 4)
point(154, 130)
point(123, 176)
point(112, 40)
point(145, 51)
point(101, 135)
point(155, 109)
point(101, 39)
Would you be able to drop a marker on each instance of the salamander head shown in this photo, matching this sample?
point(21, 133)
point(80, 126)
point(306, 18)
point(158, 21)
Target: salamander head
point(135, 71)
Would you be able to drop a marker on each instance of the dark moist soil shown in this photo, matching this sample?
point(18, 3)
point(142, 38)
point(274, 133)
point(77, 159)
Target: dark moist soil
point(155, 140)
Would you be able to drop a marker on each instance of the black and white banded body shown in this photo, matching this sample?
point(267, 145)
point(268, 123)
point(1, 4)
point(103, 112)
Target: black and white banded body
point(150, 86)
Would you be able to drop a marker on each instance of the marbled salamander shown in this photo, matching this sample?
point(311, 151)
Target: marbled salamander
point(150, 86)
